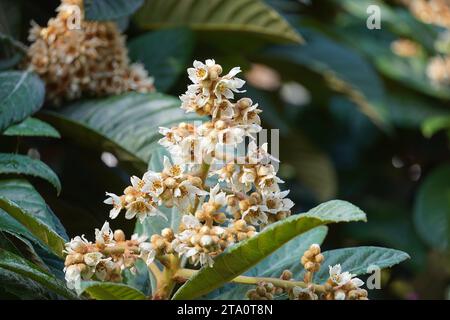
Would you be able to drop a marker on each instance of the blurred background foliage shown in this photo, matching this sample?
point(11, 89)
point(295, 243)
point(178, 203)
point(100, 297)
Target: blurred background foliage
point(359, 115)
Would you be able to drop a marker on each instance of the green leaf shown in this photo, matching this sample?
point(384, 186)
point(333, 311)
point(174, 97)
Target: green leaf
point(32, 127)
point(22, 287)
point(164, 53)
point(344, 69)
point(23, 193)
point(102, 10)
point(358, 259)
point(432, 208)
point(250, 16)
point(21, 266)
point(434, 124)
point(35, 226)
point(21, 94)
point(287, 257)
point(19, 164)
point(111, 291)
point(242, 256)
point(125, 125)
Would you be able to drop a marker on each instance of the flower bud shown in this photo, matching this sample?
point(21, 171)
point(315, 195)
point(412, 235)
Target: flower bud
point(119, 235)
point(170, 183)
point(167, 233)
point(286, 275)
point(206, 241)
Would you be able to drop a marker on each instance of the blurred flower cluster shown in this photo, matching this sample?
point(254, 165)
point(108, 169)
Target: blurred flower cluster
point(435, 12)
point(76, 57)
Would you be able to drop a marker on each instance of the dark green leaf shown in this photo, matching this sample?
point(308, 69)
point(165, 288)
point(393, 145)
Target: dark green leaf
point(110, 9)
point(432, 208)
point(40, 230)
point(26, 196)
point(32, 127)
point(21, 94)
point(19, 164)
point(111, 291)
point(21, 266)
point(251, 16)
point(125, 125)
point(165, 54)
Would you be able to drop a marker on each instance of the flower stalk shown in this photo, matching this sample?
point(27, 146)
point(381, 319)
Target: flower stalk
point(182, 275)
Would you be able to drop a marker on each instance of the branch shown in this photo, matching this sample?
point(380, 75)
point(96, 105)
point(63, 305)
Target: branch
point(182, 275)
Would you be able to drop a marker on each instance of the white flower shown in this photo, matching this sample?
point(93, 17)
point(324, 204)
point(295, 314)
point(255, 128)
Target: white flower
point(231, 136)
point(276, 202)
point(228, 84)
point(77, 244)
point(342, 278)
point(255, 215)
point(200, 70)
point(73, 278)
point(105, 235)
point(250, 115)
point(92, 258)
point(190, 150)
point(190, 221)
point(267, 179)
point(142, 208)
point(116, 201)
point(171, 137)
point(104, 266)
point(259, 155)
point(185, 193)
point(153, 184)
point(225, 109)
point(136, 183)
point(248, 175)
point(174, 171)
point(216, 197)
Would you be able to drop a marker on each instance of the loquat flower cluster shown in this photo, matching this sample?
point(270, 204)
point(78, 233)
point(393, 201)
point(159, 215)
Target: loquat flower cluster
point(76, 57)
point(222, 198)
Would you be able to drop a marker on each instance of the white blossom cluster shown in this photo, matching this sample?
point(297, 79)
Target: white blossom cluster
point(222, 197)
point(247, 189)
point(102, 260)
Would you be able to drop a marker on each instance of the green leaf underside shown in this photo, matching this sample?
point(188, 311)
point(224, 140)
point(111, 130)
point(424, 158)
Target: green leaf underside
point(102, 10)
point(127, 125)
point(242, 256)
point(357, 260)
point(32, 127)
point(21, 266)
point(272, 266)
point(40, 230)
point(21, 94)
point(111, 291)
point(432, 208)
point(252, 16)
point(20, 164)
